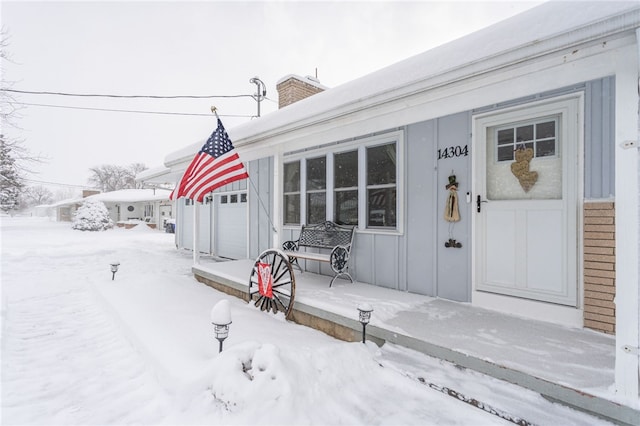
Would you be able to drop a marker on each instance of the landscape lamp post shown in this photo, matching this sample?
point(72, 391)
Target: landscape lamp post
point(364, 311)
point(114, 269)
point(221, 318)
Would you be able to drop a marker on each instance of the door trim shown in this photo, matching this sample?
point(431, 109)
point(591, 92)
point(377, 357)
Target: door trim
point(516, 303)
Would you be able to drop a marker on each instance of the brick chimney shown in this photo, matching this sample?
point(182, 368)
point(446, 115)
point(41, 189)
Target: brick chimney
point(293, 88)
point(87, 192)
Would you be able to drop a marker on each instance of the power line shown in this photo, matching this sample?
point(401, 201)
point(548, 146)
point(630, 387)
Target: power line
point(96, 95)
point(133, 111)
point(58, 184)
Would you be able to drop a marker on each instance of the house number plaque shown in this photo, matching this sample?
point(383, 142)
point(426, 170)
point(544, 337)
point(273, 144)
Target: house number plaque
point(453, 151)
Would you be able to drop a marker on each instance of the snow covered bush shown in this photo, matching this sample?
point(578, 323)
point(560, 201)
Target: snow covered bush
point(92, 216)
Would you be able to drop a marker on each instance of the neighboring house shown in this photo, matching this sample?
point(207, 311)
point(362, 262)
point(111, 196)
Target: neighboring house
point(126, 205)
point(549, 232)
point(149, 205)
point(65, 209)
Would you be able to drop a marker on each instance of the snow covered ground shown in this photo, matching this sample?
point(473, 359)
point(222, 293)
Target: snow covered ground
point(79, 348)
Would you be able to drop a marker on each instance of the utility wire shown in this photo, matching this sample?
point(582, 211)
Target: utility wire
point(129, 110)
point(59, 184)
point(95, 95)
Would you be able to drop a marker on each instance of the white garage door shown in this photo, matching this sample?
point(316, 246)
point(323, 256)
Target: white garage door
point(231, 225)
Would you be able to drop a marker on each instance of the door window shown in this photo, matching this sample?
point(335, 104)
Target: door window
point(523, 160)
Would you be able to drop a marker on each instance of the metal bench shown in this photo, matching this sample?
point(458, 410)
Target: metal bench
point(328, 236)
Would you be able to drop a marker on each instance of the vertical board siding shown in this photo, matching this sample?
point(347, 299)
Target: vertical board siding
point(599, 165)
point(419, 241)
point(454, 264)
point(260, 205)
point(417, 260)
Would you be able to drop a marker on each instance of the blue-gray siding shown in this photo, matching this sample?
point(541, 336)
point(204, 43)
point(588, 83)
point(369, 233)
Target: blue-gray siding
point(417, 260)
point(599, 139)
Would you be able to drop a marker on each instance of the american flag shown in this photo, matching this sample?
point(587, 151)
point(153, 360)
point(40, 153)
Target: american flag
point(215, 165)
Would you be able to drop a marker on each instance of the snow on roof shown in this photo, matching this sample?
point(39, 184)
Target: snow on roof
point(151, 173)
point(67, 202)
point(551, 26)
point(159, 175)
point(132, 195)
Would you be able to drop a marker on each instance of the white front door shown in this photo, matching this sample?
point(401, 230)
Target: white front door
point(526, 196)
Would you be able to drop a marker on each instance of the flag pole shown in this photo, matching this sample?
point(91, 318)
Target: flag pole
point(214, 110)
point(196, 217)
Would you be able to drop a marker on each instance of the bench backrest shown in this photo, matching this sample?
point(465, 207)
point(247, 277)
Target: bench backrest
point(326, 235)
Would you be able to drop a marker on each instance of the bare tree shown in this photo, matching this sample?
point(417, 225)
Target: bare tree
point(109, 177)
point(14, 157)
point(8, 105)
point(38, 195)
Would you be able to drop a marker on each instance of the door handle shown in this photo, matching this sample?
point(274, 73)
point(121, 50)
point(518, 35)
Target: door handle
point(479, 202)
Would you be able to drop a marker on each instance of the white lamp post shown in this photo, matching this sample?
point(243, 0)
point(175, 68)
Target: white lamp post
point(364, 311)
point(114, 269)
point(221, 318)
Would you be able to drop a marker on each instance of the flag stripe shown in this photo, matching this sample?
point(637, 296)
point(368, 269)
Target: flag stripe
point(208, 166)
point(215, 165)
point(240, 174)
point(210, 180)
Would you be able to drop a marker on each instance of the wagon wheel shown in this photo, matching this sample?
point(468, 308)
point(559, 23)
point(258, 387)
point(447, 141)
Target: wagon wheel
point(272, 285)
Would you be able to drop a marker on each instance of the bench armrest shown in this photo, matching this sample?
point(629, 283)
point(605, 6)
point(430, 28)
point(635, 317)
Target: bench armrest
point(339, 258)
point(290, 245)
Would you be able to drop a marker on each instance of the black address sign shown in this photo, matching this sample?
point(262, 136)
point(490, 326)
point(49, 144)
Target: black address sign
point(453, 151)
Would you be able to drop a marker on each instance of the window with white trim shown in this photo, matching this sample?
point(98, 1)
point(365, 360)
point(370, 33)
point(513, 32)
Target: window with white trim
point(291, 193)
point(539, 135)
point(345, 181)
point(316, 190)
point(355, 184)
point(381, 186)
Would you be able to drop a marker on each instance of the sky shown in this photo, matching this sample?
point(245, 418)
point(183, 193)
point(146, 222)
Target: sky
point(83, 347)
point(165, 48)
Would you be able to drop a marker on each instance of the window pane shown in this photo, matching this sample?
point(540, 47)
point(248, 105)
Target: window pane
point(346, 169)
point(381, 164)
point(346, 212)
point(505, 153)
point(243, 197)
point(292, 209)
point(316, 207)
point(524, 133)
point(316, 173)
point(546, 130)
point(292, 177)
point(223, 199)
point(381, 207)
point(546, 148)
point(233, 198)
point(505, 136)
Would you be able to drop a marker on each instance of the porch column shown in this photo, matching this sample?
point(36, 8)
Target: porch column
point(277, 197)
point(626, 217)
point(196, 231)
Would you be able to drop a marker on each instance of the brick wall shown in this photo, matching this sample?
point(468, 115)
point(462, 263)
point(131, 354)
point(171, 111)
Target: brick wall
point(294, 89)
point(599, 266)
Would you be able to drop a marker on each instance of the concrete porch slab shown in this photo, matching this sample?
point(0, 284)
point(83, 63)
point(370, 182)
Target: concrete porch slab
point(573, 366)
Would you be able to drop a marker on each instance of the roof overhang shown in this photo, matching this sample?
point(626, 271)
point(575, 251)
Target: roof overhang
point(385, 95)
